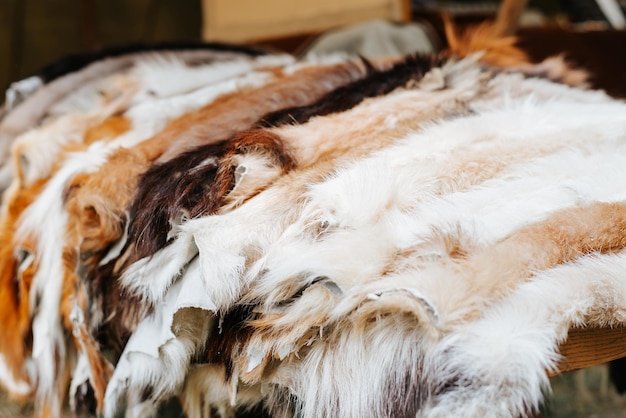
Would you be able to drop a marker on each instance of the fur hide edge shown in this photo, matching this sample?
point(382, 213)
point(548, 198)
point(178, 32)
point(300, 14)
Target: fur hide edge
point(501, 360)
point(157, 357)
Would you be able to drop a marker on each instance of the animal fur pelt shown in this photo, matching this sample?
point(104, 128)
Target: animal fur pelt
point(79, 83)
point(411, 236)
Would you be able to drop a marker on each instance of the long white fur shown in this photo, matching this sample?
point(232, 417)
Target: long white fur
point(507, 353)
point(414, 173)
point(359, 229)
point(211, 239)
point(45, 219)
point(348, 261)
point(495, 386)
point(230, 241)
point(145, 125)
point(150, 277)
point(341, 361)
point(137, 386)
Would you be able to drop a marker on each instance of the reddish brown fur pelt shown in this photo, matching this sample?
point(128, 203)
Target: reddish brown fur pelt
point(14, 287)
point(109, 128)
point(497, 51)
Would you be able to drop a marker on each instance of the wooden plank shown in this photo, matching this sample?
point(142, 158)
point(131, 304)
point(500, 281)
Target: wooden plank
point(586, 347)
point(250, 20)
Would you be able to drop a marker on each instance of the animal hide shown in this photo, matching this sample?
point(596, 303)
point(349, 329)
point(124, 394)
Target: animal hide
point(109, 191)
point(411, 236)
point(85, 82)
point(48, 282)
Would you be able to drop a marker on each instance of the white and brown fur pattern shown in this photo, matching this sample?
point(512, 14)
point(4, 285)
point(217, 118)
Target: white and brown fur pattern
point(383, 239)
point(417, 253)
point(92, 87)
point(222, 229)
point(45, 218)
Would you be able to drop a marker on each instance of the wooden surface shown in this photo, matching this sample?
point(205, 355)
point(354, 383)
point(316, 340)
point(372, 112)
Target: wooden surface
point(586, 347)
point(252, 20)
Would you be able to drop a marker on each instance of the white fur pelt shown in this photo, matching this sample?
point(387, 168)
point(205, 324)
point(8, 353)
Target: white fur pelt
point(337, 137)
point(360, 252)
point(457, 87)
point(374, 252)
point(506, 353)
point(422, 156)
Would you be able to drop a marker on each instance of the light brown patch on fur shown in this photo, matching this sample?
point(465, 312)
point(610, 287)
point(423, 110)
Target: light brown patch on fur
point(469, 166)
point(372, 125)
point(107, 129)
point(14, 290)
point(562, 237)
point(96, 201)
point(570, 233)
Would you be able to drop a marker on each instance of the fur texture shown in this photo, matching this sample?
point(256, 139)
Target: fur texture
point(107, 193)
point(333, 255)
point(81, 85)
point(54, 301)
point(245, 170)
point(78, 239)
point(410, 237)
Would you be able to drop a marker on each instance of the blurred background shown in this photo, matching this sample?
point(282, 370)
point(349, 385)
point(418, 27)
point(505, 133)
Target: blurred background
point(33, 33)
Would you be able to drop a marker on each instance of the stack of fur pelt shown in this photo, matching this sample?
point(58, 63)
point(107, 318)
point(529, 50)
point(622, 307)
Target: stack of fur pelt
point(335, 237)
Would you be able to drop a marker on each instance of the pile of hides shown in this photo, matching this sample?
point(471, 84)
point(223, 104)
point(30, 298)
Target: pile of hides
point(322, 237)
